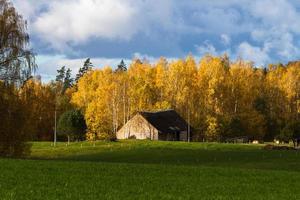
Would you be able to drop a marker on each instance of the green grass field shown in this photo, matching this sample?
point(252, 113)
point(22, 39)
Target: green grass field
point(151, 170)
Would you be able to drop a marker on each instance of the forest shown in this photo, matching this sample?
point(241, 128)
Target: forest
point(220, 98)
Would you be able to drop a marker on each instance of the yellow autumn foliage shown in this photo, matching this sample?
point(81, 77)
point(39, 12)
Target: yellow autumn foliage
point(215, 95)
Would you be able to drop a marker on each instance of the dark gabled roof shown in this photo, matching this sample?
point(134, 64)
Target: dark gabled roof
point(166, 121)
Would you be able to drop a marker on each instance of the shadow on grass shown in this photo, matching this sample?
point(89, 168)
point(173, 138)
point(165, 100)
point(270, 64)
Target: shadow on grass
point(249, 158)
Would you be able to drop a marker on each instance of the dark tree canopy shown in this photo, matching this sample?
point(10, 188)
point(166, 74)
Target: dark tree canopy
point(68, 80)
point(64, 79)
point(17, 61)
point(60, 74)
point(87, 66)
point(72, 124)
point(121, 67)
point(291, 131)
point(13, 129)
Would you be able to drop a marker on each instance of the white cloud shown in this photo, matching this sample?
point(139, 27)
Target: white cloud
point(281, 14)
point(259, 34)
point(272, 24)
point(206, 48)
point(216, 20)
point(225, 39)
point(279, 41)
point(63, 23)
point(146, 57)
point(278, 27)
point(77, 21)
point(27, 8)
point(253, 53)
point(48, 64)
point(286, 48)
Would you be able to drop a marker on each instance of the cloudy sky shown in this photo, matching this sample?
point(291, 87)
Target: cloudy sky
point(66, 32)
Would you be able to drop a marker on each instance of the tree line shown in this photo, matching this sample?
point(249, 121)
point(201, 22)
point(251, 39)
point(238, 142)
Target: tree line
point(220, 98)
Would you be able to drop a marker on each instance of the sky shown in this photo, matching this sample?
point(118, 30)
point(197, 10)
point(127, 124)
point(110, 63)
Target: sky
point(66, 32)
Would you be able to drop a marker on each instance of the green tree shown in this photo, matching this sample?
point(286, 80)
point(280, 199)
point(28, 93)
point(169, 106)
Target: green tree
point(63, 79)
point(121, 67)
point(72, 124)
point(87, 66)
point(68, 80)
point(232, 128)
point(61, 73)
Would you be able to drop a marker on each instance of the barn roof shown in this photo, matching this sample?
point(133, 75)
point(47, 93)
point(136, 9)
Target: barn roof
point(166, 121)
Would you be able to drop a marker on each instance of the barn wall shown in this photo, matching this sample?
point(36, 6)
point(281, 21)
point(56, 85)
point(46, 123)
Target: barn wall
point(183, 136)
point(139, 127)
point(167, 137)
point(173, 136)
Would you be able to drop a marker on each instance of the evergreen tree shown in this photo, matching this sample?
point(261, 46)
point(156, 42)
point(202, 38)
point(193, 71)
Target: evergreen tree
point(64, 79)
point(68, 81)
point(121, 67)
point(61, 74)
point(87, 66)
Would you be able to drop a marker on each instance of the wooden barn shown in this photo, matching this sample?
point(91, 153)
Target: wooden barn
point(162, 125)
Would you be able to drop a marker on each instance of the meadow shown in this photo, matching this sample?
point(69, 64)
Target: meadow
point(151, 170)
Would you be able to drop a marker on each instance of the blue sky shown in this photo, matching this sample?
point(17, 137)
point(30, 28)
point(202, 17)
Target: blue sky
point(66, 32)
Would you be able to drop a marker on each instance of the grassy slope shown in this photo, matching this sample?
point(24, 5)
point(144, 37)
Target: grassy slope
point(151, 170)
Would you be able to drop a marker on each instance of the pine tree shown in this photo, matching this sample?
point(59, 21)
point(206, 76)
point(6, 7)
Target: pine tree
point(61, 74)
point(87, 66)
point(121, 67)
point(68, 81)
